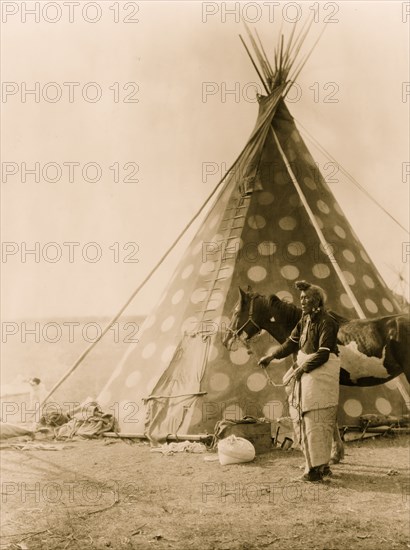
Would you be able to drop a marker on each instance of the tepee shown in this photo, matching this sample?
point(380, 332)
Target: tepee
point(274, 220)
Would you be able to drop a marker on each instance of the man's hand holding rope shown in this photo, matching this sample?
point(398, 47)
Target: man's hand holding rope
point(266, 359)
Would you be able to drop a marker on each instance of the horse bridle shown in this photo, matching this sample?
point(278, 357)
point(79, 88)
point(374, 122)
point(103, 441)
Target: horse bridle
point(236, 333)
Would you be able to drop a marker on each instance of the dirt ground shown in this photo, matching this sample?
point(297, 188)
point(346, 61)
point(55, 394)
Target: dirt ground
point(112, 494)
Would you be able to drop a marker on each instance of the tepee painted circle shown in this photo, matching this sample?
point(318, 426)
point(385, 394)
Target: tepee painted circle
point(383, 405)
point(346, 301)
point(267, 248)
point(265, 198)
point(257, 273)
point(177, 297)
point(371, 306)
point(323, 207)
point(132, 379)
point(349, 278)
point(290, 272)
point(349, 256)
point(387, 305)
point(239, 356)
point(219, 381)
point(287, 223)
point(256, 222)
point(189, 325)
point(149, 350)
point(340, 232)
point(309, 182)
point(296, 248)
point(321, 271)
point(168, 323)
point(368, 281)
point(353, 407)
point(256, 381)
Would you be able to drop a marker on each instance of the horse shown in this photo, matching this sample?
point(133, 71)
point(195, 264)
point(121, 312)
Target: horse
point(372, 351)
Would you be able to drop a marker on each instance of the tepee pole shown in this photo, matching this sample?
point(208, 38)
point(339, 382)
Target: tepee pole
point(322, 239)
point(254, 64)
point(350, 177)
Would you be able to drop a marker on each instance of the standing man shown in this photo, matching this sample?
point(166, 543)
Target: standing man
point(314, 390)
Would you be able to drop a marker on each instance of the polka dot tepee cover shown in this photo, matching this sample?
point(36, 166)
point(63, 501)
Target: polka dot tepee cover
point(261, 231)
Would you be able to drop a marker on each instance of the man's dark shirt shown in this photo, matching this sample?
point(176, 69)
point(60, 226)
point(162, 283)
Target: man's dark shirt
point(315, 333)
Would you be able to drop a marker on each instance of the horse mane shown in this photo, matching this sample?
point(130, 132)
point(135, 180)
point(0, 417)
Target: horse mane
point(291, 313)
point(338, 318)
point(274, 299)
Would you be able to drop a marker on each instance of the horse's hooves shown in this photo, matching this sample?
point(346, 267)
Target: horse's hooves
point(334, 460)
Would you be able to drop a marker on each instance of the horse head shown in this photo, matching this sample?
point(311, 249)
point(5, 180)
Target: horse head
point(243, 325)
point(254, 313)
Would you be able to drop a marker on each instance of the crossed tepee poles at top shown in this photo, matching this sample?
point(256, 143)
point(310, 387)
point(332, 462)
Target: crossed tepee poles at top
point(285, 58)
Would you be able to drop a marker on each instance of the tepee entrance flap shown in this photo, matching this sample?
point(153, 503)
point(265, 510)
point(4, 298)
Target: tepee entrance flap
point(172, 400)
point(185, 370)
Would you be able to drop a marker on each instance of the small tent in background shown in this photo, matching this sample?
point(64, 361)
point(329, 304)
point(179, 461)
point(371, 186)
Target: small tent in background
point(274, 221)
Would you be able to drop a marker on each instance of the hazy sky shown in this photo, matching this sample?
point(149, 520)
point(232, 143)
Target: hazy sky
point(165, 56)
